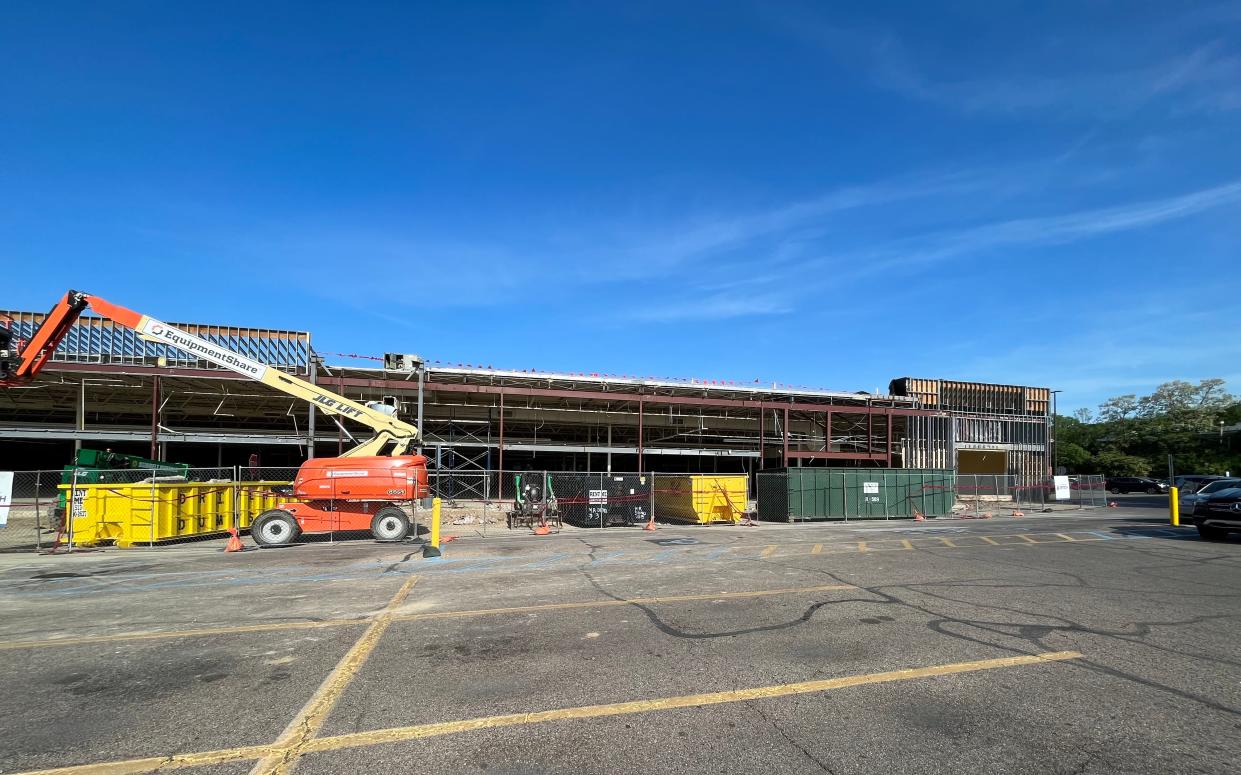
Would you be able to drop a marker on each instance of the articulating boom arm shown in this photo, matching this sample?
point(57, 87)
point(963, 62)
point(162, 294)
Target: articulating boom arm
point(389, 431)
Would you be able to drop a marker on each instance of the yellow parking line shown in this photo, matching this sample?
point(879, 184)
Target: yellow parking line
point(160, 763)
point(1027, 538)
point(861, 546)
point(948, 543)
point(1066, 537)
point(767, 552)
point(990, 540)
point(306, 724)
point(84, 639)
point(419, 731)
point(905, 542)
point(398, 734)
point(816, 548)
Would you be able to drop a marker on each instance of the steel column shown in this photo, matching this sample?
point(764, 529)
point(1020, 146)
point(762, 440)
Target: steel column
point(889, 441)
point(640, 411)
point(311, 373)
point(870, 431)
point(421, 384)
point(786, 437)
point(761, 431)
point(500, 482)
point(155, 418)
point(80, 414)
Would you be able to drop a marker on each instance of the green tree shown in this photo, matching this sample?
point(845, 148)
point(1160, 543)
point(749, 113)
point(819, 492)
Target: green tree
point(1074, 458)
point(1134, 435)
point(1113, 462)
point(1119, 408)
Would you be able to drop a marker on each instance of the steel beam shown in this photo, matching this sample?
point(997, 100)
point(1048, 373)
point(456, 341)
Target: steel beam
point(599, 395)
point(807, 455)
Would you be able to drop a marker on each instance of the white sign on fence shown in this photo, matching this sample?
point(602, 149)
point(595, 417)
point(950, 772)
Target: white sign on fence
point(77, 506)
point(597, 497)
point(1062, 488)
point(6, 496)
point(870, 488)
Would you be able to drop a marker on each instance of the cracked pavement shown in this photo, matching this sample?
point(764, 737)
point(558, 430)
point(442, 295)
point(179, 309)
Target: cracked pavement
point(1153, 611)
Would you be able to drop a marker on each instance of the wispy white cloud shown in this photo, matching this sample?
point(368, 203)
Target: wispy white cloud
point(1203, 75)
point(717, 306)
point(1108, 352)
point(1055, 229)
point(665, 246)
point(776, 288)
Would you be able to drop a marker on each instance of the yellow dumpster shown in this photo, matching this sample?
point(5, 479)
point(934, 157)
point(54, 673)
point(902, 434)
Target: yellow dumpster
point(144, 512)
point(701, 498)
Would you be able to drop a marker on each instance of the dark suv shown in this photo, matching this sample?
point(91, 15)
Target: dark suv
point(1219, 515)
point(1119, 484)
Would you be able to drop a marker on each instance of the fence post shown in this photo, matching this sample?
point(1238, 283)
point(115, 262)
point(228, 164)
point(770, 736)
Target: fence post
point(650, 515)
point(151, 516)
point(69, 505)
point(883, 488)
point(235, 476)
point(844, 493)
point(38, 508)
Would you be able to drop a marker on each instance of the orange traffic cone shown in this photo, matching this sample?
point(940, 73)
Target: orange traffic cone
point(234, 542)
point(1113, 505)
point(1018, 513)
point(650, 525)
point(542, 529)
point(918, 516)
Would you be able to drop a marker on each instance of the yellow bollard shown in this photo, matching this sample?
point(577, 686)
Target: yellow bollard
point(1174, 504)
point(432, 549)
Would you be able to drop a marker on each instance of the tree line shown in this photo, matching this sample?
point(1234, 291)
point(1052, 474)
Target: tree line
point(1133, 435)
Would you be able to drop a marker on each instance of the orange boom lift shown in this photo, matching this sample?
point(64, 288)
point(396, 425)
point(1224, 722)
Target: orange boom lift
point(359, 490)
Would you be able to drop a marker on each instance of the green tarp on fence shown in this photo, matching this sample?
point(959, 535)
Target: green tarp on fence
point(792, 494)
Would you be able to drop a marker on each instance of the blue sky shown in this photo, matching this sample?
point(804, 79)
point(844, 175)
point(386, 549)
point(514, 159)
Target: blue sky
point(823, 196)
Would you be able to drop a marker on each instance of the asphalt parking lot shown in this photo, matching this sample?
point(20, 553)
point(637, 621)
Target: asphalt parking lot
point(1103, 641)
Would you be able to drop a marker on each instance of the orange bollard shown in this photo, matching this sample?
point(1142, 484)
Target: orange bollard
point(234, 542)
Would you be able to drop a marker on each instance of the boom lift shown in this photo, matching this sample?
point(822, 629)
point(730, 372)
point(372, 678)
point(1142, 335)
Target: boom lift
point(357, 491)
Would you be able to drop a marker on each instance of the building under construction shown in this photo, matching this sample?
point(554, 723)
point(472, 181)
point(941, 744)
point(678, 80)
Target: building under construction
point(106, 387)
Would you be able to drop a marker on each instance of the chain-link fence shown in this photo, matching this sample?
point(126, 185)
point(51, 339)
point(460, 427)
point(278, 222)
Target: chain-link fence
point(981, 494)
point(797, 494)
point(702, 499)
point(29, 526)
point(79, 507)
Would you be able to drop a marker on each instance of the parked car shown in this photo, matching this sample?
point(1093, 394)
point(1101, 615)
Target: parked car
point(1190, 501)
point(1219, 514)
point(1123, 484)
point(1195, 482)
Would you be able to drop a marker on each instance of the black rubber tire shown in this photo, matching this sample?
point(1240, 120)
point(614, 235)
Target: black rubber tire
point(274, 527)
point(1212, 533)
point(390, 524)
point(1115, 491)
point(1152, 490)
